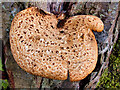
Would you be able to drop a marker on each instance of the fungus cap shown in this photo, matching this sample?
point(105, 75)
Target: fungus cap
point(41, 48)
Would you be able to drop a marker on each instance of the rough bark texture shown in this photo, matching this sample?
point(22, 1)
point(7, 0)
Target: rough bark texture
point(108, 12)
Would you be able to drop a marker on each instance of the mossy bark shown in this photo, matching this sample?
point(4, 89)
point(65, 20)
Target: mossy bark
point(111, 76)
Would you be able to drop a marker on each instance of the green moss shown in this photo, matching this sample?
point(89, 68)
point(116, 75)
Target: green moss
point(111, 76)
point(1, 69)
point(3, 83)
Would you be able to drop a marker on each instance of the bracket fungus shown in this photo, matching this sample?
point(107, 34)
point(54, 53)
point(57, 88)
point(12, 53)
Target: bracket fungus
point(41, 48)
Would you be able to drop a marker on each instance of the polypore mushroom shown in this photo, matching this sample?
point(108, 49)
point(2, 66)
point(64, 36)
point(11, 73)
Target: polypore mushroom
point(41, 48)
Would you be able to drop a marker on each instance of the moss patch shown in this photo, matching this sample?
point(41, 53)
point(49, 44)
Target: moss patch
point(111, 76)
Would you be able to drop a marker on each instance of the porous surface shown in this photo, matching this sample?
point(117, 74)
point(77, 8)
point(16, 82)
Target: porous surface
point(41, 48)
point(82, 45)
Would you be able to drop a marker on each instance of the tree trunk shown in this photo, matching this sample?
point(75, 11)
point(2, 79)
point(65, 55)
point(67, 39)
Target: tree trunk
point(108, 12)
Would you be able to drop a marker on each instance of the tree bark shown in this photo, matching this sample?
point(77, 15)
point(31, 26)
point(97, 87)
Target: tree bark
point(108, 12)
